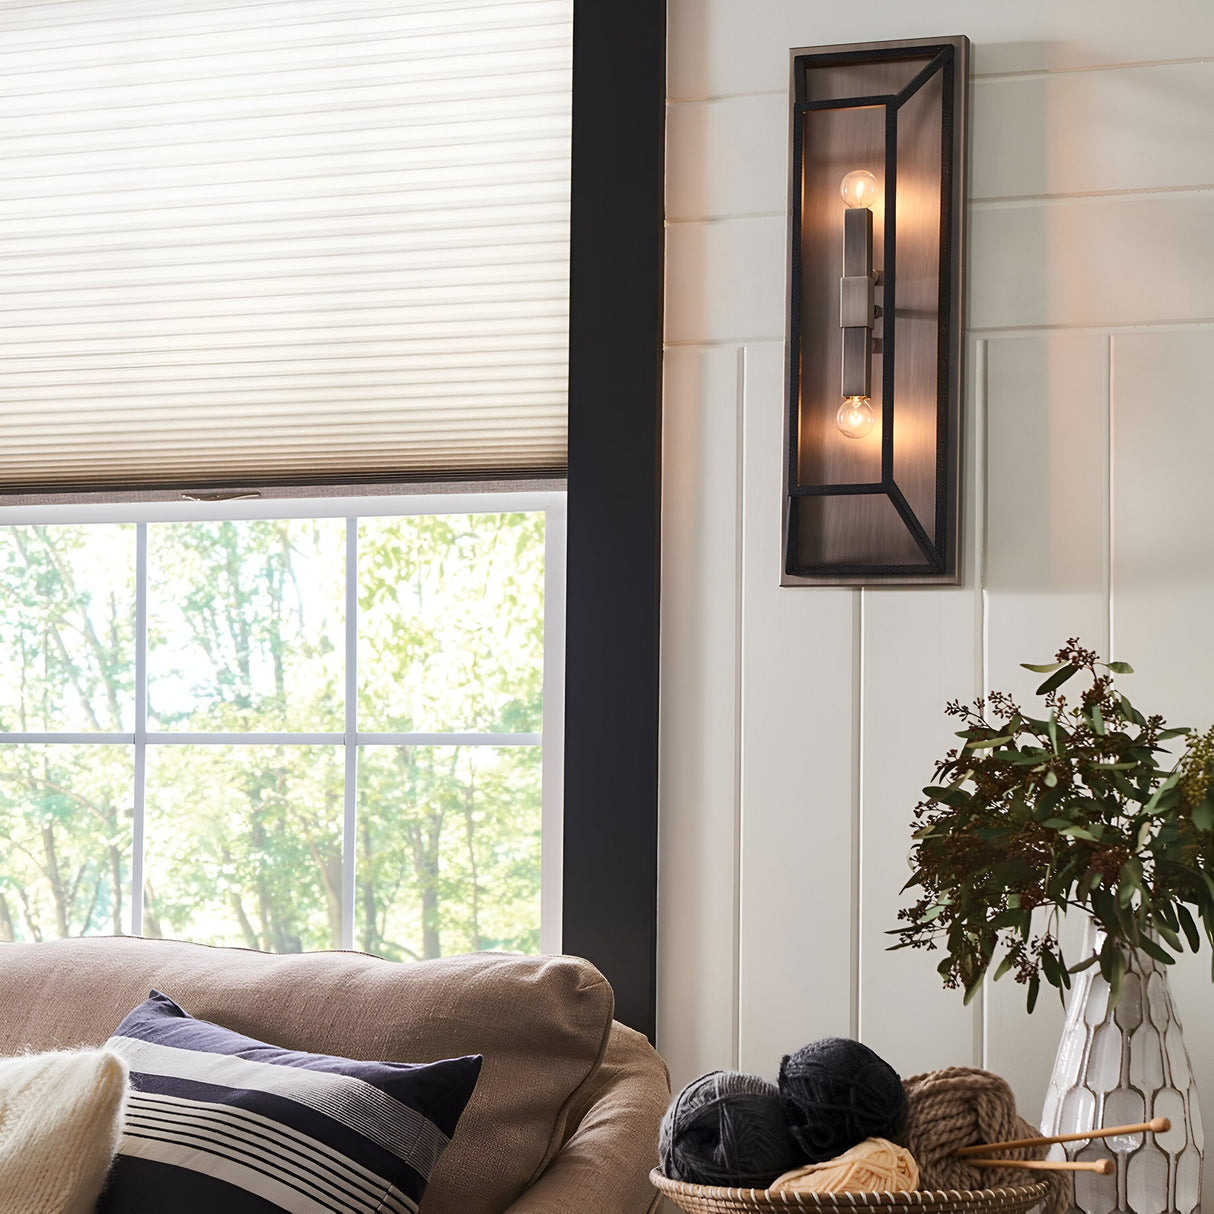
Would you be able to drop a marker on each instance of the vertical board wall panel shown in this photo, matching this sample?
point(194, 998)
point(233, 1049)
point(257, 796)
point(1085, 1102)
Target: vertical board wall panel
point(697, 852)
point(1046, 544)
point(798, 757)
point(1092, 212)
point(921, 648)
point(1163, 583)
point(906, 685)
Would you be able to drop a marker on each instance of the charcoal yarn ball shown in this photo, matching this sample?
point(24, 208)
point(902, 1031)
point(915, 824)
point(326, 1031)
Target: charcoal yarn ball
point(727, 1128)
point(837, 1093)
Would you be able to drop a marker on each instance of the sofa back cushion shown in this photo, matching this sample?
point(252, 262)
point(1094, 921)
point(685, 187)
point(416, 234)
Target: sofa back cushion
point(541, 1024)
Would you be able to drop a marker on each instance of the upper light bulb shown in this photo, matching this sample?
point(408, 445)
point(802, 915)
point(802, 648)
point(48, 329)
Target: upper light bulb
point(855, 417)
point(859, 188)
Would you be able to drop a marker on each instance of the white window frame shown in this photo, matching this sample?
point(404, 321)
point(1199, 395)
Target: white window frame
point(351, 508)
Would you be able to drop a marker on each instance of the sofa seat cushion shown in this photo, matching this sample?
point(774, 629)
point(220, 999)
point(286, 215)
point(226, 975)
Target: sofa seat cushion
point(541, 1024)
point(217, 1120)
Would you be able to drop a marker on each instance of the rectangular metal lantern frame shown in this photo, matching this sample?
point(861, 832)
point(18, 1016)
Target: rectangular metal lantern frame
point(882, 509)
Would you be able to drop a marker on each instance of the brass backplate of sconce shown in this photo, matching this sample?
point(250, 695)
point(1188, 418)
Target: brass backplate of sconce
point(871, 482)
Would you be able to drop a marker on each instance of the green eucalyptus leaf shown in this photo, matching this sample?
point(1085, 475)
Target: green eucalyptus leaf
point(1157, 795)
point(1058, 678)
point(1097, 721)
point(1120, 667)
point(1052, 729)
point(1170, 938)
point(972, 989)
point(1079, 832)
point(1051, 968)
point(1042, 668)
point(1152, 949)
point(1115, 981)
point(1033, 991)
point(988, 743)
point(1088, 882)
point(1203, 816)
point(1005, 965)
point(1087, 963)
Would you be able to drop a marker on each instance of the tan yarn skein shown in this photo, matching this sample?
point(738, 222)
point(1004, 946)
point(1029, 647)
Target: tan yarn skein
point(958, 1106)
point(875, 1165)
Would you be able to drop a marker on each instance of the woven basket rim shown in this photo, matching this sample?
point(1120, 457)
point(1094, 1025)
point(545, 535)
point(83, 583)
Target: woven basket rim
point(919, 1199)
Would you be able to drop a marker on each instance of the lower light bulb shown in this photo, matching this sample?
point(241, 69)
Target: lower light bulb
point(855, 417)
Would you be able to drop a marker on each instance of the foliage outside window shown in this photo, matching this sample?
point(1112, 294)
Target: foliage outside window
point(233, 769)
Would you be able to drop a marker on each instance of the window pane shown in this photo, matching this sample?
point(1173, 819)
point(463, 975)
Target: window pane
point(246, 625)
point(67, 625)
point(244, 845)
point(451, 629)
point(65, 841)
point(448, 850)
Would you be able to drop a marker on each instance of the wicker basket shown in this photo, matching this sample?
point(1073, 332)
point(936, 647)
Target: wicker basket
point(709, 1199)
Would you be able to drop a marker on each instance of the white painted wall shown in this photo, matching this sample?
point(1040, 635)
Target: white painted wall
point(799, 724)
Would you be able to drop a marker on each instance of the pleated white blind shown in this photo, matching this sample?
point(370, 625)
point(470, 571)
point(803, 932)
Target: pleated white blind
point(282, 239)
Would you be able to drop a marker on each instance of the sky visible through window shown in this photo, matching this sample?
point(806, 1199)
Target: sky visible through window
point(188, 735)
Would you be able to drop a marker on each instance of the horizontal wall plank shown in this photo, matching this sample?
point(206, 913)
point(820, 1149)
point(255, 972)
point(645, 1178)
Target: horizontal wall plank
point(697, 979)
point(797, 766)
point(725, 280)
point(1107, 261)
point(721, 47)
point(1143, 128)
point(727, 157)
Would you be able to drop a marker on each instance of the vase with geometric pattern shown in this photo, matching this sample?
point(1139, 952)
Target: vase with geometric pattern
point(1121, 1066)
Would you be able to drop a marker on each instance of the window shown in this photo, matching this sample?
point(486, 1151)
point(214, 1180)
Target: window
point(284, 730)
point(79, 225)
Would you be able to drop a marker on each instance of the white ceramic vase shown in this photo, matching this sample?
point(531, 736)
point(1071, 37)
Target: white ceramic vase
point(1122, 1066)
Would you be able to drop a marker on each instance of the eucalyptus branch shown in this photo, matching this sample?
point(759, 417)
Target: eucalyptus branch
point(1069, 809)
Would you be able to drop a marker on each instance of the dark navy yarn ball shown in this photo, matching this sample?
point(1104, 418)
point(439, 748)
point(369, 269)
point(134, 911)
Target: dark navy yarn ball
point(837, 1093)
point(727, 1128)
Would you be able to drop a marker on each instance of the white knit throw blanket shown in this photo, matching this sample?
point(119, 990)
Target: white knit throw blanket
point(60, 1117)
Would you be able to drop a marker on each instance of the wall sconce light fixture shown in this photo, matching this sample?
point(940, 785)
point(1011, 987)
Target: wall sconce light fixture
point(874, 334)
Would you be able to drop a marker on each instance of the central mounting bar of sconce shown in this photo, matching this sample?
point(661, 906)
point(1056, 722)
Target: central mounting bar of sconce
point(857, 312)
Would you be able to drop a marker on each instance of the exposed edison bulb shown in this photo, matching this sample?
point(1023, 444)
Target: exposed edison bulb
point(859, 188)
point(855, 418)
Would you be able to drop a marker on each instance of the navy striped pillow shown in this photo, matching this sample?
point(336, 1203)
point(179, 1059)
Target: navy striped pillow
point(218, 1121)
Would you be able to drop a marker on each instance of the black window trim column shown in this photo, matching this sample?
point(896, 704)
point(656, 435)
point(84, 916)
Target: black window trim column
point(609, 912)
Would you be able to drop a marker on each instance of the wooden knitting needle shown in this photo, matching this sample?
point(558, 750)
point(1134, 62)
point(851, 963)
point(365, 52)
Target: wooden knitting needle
point(1157, 1125)
point(1103, 1166)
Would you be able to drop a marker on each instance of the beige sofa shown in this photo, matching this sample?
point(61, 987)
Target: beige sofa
point(565, 1114)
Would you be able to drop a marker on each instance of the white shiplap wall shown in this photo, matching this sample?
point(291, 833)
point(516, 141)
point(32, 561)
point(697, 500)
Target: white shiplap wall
point(799, 724)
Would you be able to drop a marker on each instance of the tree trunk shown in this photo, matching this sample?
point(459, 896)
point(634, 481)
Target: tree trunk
point(55, 880)
point(6, 920)
point(151, 921)
point(470, 829)
point(425, 869)
point(370, 934)
point(116, 887)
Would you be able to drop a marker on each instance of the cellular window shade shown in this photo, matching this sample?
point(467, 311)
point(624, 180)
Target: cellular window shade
point(282, 240)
